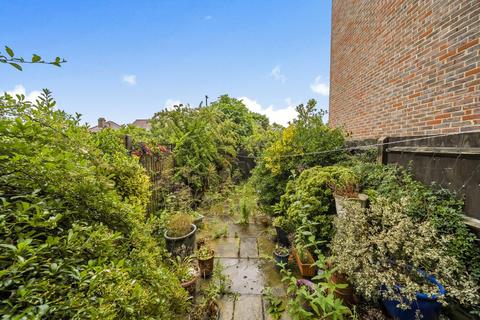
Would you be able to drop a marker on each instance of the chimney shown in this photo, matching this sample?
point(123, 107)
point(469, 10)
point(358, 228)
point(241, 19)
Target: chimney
point(101, 122)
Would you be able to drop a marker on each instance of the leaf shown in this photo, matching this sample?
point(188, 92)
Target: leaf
point(36, 58)
point(16, 66)
point(9, 246)
point(9, 51)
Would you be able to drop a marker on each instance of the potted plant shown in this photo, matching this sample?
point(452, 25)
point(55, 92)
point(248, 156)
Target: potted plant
point(426, 305)
point(205, 257)
point(389, 256)
point(180, 235)
point(263, 219)
point(281, 254)
point(281, 226)
point(345, 290)
point(305, 261)
point(186, 272)
point(345, 191)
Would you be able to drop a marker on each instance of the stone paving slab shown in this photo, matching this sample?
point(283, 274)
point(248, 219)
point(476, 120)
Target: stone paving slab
point(226, 305)
point(225, 247)
point(245, 275)
point(265, 246)
point(248, 307)
point(244, 230)
point(272, 278)
point(248, 248)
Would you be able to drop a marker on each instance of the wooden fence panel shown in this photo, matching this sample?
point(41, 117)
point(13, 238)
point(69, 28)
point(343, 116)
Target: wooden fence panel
point(157, 168)
point(451, 161)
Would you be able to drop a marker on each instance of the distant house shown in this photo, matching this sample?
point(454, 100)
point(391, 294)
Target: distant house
point(103, 124)
point(142, 123)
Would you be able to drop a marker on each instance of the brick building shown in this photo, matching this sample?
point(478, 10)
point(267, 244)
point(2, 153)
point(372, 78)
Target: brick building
point(405, 67)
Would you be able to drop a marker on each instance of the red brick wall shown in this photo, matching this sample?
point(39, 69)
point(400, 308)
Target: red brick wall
point(405, 67)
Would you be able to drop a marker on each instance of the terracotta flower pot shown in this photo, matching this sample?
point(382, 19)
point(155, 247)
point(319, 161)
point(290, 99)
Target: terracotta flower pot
point(307, 268)
point(206, 265)
point(191, 285)
point(346, 294)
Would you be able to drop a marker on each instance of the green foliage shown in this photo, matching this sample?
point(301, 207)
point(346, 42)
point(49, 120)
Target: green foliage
point(384, 246)
point(74, 238)
point(308, 201)
point(204, 253)
point(179, 224)
point(184, 268)
point(207, 141)
point(317, 301)
point(9, 58)
point(421, 203)
point(269, 187)
point(281, 250)
point(303, 144)
point(275, 306)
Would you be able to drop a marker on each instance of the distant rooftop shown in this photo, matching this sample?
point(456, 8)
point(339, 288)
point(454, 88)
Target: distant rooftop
point(103, 124)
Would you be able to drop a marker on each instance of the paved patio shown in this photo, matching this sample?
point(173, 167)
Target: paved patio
point(245, 255)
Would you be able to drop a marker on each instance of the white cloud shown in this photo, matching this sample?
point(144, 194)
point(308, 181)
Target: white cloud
point(20, 89)
point(280, 115)
point(207, 18)
point(319, 87)
point(130, 79)
point(169, 103)
point(277, 74)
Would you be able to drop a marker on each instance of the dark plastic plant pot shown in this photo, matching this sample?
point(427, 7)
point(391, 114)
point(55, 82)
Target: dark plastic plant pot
point(181, 246)
point(428, 307)
point(198, 221)
point(281, 258)
point(282, 237)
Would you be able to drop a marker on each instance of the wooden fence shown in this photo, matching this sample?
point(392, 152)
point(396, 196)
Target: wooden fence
point(451, 161)
point(159, 167)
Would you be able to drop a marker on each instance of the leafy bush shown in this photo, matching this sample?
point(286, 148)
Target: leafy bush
point(308, 200)
point(303, 144)
point(207, 140)
point(421, 203)
point(275, 305)
point(74, 238)
point(317, 301)
point(383, 247)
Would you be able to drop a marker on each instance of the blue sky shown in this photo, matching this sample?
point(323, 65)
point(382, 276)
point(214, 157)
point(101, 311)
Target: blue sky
point(129, 59)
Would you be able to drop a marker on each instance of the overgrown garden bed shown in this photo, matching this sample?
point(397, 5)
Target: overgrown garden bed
point(77, 240)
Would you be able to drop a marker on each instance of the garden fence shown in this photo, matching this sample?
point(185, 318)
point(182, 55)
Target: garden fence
point(159, 167)
point(452, 161)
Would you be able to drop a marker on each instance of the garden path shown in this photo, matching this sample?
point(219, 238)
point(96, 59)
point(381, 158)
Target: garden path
point(245, 252)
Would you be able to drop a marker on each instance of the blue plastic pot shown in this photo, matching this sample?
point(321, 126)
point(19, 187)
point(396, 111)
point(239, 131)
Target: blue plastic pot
point(281, 258)
point(429, 307)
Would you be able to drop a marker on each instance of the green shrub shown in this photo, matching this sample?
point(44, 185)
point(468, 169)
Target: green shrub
point(439, 206)
point(384, 247)
point(74, 238)
point(308, 200)
point(303, 144)
point(318, 301)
